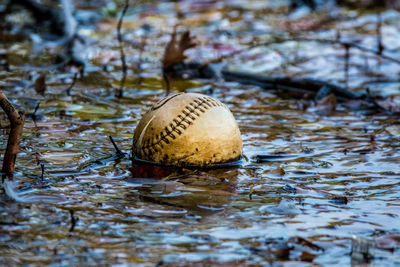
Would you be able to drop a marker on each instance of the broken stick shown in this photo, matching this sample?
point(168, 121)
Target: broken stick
point(17, 119)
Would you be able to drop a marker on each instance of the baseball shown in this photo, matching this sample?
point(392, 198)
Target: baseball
point(188, 129)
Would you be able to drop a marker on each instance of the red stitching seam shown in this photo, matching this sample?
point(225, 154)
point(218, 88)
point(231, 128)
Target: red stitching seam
point(183, 121)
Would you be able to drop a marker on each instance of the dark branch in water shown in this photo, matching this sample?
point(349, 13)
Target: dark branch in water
point(40, 162)
point(383, 80)
point(167, 85)
point(119, 152)
point(296, 85)
point(33, 115)
point(101, 162)
point(17, 119)
point(139, 65)
point(121, 49)
point(346, 64)
point(68, 90)
point(73, 221)
point(304, 85)
point(42, 167)
point(380, 46)
point(36, 108)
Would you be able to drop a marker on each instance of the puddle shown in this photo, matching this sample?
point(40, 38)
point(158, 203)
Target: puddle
point(308, 184)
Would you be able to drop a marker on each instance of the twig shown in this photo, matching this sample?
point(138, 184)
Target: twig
point(17, 119)
point(40, 162)
point(380, 46)
point(73, 221)
point(121, 49)
point(33, 115)
point(101, 162)
point(346, 65)
point(251, 192)
point(141, 50)
point(42, 167)
point(167, 84)
point(68, 90)
point(383, 80)
point(119, 152)
point(36, 108)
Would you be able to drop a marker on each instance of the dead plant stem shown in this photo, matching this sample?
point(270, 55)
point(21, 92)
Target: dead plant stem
point(121, 49)
point(17, 119)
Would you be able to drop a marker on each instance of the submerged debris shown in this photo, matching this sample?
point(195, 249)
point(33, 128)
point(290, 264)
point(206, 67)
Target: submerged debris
point(362, 249)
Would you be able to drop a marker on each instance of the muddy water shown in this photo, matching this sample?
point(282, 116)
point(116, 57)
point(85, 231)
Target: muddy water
point(309, 188)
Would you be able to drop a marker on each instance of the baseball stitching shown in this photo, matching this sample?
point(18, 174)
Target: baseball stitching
point(180, 123)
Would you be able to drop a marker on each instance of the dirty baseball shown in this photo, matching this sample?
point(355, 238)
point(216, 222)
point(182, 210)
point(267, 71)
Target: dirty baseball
point(188, 129)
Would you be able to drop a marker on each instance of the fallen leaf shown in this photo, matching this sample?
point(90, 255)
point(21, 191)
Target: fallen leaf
point(327, 105)
point(175, 49)
point(40, 84)
point(307, 256)
point(280, 171)
point(282, 251)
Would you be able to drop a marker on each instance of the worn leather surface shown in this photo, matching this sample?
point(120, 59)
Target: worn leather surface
point(188, 129)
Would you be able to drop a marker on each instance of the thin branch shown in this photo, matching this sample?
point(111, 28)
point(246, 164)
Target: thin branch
point(167, 84)
point(119, 152)
point(68, 90)
point(139, 65)
point(380, 46)
point(383, 80)
point(251, 192)
point(36, 109)
point(121, 49)
point(301, 85)
point(17, 120)
point(346, 65)
point(73, 221)
point(42, 168)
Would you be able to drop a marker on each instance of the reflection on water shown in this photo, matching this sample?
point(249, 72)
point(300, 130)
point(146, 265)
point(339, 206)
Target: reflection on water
point(308, 186)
